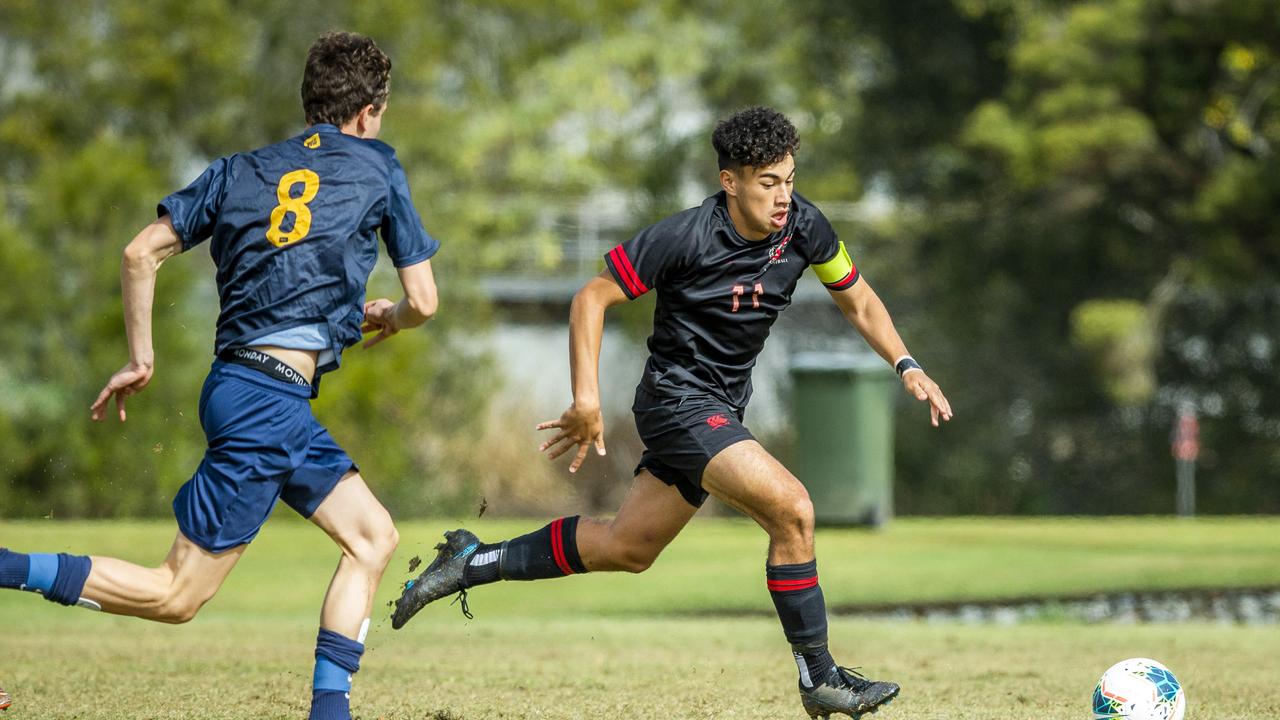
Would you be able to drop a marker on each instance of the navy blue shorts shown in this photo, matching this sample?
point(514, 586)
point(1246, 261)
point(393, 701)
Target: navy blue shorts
point(264, 444)
point(681, 435)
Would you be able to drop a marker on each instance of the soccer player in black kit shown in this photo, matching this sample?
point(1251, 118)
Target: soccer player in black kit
point(723, 271)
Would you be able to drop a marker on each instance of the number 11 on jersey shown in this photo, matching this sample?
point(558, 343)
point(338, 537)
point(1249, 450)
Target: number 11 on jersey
point(738, 291)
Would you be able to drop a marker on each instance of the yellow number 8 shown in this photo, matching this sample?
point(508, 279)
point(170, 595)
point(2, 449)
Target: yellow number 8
point(296, 205)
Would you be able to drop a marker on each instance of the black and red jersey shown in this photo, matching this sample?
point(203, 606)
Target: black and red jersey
point(718, 293)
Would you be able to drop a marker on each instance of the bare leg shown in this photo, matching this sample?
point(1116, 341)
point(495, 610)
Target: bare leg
point(745, 476)
point(652, 514)
point(172, 592)
point(362, 528)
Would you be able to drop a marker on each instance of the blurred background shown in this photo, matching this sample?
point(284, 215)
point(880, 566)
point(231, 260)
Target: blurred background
point(1070, 208)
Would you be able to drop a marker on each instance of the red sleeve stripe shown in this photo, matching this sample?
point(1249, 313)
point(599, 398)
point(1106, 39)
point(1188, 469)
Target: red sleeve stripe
point(846, 281)
point(557, 546)
point(622, 265)
point(792, 585)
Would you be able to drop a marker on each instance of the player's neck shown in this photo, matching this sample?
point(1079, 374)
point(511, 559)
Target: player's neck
point(740, 224)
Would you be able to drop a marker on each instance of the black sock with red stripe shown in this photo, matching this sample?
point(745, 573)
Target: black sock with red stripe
point(803, 612)
point(549, 552)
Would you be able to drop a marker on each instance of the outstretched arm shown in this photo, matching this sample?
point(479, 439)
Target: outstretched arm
point(865, 311)
point(143, 256)
point(582, 424)
point(418, 306)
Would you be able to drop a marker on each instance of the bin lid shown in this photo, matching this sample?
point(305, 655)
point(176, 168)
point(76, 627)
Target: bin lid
point(858, 363)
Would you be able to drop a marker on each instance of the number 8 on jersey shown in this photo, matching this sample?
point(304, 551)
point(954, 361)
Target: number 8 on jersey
point(298, 206)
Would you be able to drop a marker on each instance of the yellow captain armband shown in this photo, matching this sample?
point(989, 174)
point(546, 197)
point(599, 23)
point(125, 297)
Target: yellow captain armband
point(838, 273)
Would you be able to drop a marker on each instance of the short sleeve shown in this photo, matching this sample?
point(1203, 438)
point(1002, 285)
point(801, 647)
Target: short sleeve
point(407, 241)
point(193, 210)
point(643, 261)
point(830, 259)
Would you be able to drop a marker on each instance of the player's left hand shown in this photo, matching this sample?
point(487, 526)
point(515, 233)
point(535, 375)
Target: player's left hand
point(919, 385)
point(128, 380)
point(379, 317)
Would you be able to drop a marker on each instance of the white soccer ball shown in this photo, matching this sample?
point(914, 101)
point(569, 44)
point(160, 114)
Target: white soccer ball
point(1139, 689)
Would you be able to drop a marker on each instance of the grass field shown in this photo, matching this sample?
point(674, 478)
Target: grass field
point(650, 646)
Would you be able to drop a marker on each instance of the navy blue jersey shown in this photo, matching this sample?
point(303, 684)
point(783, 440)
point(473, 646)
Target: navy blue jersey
point(718, 292)
point(292, 230)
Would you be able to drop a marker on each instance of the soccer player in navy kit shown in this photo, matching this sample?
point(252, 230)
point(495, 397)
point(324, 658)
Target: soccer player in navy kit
point(722, 271)
point(293, 231)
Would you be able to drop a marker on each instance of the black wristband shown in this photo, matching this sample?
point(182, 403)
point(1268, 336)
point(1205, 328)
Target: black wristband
point(905, 364)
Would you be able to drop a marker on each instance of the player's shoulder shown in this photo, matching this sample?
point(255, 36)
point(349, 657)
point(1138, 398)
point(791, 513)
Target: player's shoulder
point(813, 231)
point(687, 225)
point(806, 212)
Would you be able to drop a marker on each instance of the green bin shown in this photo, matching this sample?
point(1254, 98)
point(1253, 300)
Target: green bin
point(843, 417)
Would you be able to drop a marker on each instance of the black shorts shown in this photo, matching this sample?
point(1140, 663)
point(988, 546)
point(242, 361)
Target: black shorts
point(682, 434)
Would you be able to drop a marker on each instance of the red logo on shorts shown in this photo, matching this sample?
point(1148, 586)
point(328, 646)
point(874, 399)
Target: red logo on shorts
point(717, 421)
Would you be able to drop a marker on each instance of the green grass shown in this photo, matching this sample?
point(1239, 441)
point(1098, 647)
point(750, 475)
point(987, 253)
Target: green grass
point(624, 646)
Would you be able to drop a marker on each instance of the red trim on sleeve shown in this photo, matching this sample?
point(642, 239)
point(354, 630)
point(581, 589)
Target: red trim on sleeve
point(845, 282)
point(630, 278)
point(791, 585)
point(557, 546)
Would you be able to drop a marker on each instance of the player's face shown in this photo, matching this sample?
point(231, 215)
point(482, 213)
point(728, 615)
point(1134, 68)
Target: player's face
point(761, 197)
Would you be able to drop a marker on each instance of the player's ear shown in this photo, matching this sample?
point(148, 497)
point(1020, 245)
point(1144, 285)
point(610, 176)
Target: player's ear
point(364, 118)
point(729, 181)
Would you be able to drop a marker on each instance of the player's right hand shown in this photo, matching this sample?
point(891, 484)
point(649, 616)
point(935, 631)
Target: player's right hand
point(581, 426)
point(128, 380)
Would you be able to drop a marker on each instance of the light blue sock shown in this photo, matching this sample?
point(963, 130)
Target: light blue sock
point(337, 659)
point(35, 572)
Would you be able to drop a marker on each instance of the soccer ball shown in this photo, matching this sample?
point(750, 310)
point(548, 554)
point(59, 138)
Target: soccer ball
point(1139, 689)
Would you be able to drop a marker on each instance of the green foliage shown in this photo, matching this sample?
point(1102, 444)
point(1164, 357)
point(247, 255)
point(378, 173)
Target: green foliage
point(1119, 337)
point(1036, 158)
point(1111, 159)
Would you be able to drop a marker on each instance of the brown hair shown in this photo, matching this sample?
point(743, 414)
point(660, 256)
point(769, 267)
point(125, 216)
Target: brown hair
point(345, 71)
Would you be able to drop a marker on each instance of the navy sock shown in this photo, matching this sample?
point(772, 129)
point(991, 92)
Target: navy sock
point(14, 567)
point(330, 705)
point(549, 552)
point(73, 571)
point(60, 578)
point(815, 663)
point(798, 599)
point(337, 659)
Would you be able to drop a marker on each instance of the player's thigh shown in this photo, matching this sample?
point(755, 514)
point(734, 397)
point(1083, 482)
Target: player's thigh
point(196, 573)
point(651, 516)
point(354, 518)
point(746, 477)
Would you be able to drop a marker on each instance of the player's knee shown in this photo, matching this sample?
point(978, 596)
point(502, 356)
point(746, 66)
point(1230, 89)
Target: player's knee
point(178, 608)
point(635, 560)
point(388, 544)
point(793, 522)
point(376, 546)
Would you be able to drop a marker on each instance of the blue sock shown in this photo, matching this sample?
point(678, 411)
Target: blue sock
point(337, 659)
point(60, 578)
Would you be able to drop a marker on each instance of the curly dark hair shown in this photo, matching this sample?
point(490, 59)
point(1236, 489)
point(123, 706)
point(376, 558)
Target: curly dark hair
point(755, 137)
point(344, 72)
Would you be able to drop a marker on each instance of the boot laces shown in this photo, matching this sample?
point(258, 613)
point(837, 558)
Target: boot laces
point(852, 679)
point(462, 598)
